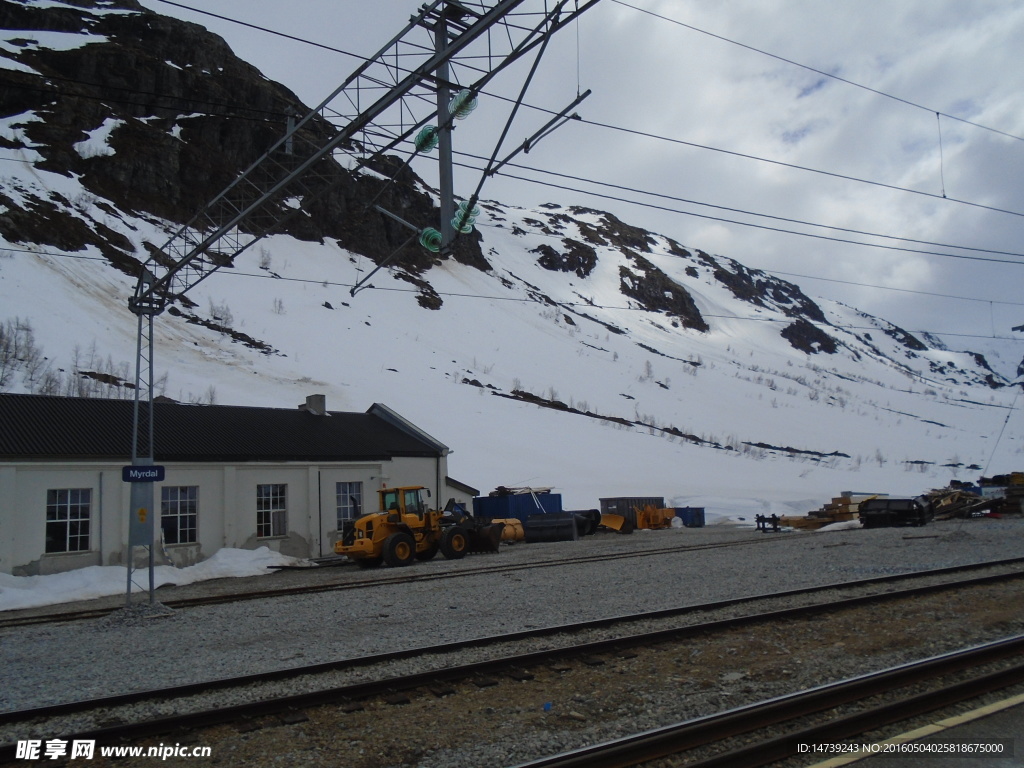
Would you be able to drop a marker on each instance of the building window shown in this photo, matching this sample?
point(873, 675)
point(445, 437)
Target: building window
point(179, 511)
point(350, 501)
point(67, 519)
point(271, 510)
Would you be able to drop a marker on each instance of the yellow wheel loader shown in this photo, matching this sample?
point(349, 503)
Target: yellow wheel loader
point(406, 529)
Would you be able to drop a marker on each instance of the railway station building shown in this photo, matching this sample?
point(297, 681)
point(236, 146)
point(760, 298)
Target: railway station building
point(233, 477)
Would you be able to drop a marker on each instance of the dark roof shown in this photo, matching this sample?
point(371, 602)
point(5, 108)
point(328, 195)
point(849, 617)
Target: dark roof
point(451, 481)
point(41, 427)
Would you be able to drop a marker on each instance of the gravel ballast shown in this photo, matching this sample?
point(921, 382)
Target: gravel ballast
point(61, 662)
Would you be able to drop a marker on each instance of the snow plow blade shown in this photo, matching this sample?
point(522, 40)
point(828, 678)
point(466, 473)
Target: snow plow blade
point(616, 523)
point(484, 537)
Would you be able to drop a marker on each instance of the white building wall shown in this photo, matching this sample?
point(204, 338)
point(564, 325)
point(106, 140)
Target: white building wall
point(328, 477)
point(28, 524)
point(9, 522)
point(226, 509)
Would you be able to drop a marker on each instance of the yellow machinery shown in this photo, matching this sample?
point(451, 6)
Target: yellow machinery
point(511, 528)
point(652, 518)
point(647, 516)
point(406, 529)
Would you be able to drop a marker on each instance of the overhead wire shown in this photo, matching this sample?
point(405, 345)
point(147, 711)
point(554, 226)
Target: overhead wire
point(669, 139)
point(794, 166)
point(183, 102)
point(732, 209)
point(646, 134)
point(696, 145)
point(527, 300)
point(821, 72)
point(754, 225)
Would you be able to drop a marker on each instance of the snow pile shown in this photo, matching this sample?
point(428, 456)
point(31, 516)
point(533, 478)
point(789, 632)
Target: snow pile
point(101, 581)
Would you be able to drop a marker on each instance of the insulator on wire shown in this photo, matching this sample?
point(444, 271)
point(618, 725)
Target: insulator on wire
point(462, 104)
point(461, 225)
point(426, 139)
point(465, 218)
point(430, 239)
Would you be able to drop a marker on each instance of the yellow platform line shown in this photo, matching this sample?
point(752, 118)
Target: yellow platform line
point(927, 730)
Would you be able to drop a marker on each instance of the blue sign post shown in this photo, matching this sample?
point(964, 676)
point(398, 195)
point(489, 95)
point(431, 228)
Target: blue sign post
point(141, 518)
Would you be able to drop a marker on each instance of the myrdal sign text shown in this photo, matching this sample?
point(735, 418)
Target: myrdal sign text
point(152, 473)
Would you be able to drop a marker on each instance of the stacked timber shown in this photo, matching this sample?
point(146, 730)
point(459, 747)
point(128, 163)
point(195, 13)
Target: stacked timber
point(949, 503)
point(839, 510)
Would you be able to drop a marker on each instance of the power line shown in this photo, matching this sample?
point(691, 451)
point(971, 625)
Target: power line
point(589, 305)
point(751, 224)
point(645, 134)
point(900, 290)
point(782, 164)
point(184, 102)
point(265, 29)
point(523, 300)
point(651, 193)
point(752, 213)
point(817, 71)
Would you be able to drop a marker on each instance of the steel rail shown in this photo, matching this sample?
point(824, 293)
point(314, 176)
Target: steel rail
point(407, 682)
point(691, 734)
point(372, 581)
point(193, 602)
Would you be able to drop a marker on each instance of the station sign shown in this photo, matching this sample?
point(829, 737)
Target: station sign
point(143, 473)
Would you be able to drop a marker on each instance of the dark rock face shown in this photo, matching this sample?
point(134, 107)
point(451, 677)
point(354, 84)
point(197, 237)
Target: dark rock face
point(657, 291)
point(809, 338)
point(614, 232)
point(578, 257)
point(755, 287)
point(908, 340)
point(185, 116)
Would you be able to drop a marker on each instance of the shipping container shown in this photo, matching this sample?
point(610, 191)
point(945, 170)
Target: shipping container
point(626, 505)
point(692, 517)
point(517, 505)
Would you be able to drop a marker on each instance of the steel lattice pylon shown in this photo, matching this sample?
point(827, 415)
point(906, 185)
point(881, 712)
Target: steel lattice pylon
point(447, 46)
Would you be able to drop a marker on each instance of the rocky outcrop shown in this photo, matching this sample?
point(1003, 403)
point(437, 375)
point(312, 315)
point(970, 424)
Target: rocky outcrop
point(184, 116)
point(658, 292)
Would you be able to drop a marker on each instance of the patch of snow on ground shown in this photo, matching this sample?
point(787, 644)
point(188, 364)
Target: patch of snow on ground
point(100, 581)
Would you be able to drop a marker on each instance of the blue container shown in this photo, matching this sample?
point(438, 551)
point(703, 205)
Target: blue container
point(692, 517)
point(519, 506)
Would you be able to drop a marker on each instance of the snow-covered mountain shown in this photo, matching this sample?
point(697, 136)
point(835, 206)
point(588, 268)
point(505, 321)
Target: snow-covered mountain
point(560, 347)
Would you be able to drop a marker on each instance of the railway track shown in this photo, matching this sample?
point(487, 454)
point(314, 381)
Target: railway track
point(370, 579)
point(759, 724)
point(382, 578)
point(626, 638)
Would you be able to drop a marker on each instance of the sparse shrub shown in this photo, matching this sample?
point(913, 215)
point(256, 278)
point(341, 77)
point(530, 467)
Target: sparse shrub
point(265, 258)
point(221, 313)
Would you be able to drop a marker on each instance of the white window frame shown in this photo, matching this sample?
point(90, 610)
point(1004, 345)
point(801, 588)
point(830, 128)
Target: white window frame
point(72, 508)
point(271, 510)
point(348, 497)
point(178, 503)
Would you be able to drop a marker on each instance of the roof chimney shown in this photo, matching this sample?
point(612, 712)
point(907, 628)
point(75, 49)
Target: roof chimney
point(315, 404)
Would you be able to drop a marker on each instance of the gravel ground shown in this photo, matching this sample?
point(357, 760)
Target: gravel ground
point(52, 663)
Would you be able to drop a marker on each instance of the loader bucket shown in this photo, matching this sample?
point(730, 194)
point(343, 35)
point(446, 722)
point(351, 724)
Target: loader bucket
point(484, 538)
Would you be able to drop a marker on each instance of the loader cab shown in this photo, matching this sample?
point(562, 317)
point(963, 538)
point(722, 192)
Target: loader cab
point(404, 501)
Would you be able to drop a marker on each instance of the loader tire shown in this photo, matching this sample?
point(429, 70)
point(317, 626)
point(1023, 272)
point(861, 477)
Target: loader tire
point(399, 549)
point(429, 552)
point(454, 543)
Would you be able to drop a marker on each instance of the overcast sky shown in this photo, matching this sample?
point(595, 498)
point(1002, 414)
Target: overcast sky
point(651, 72)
